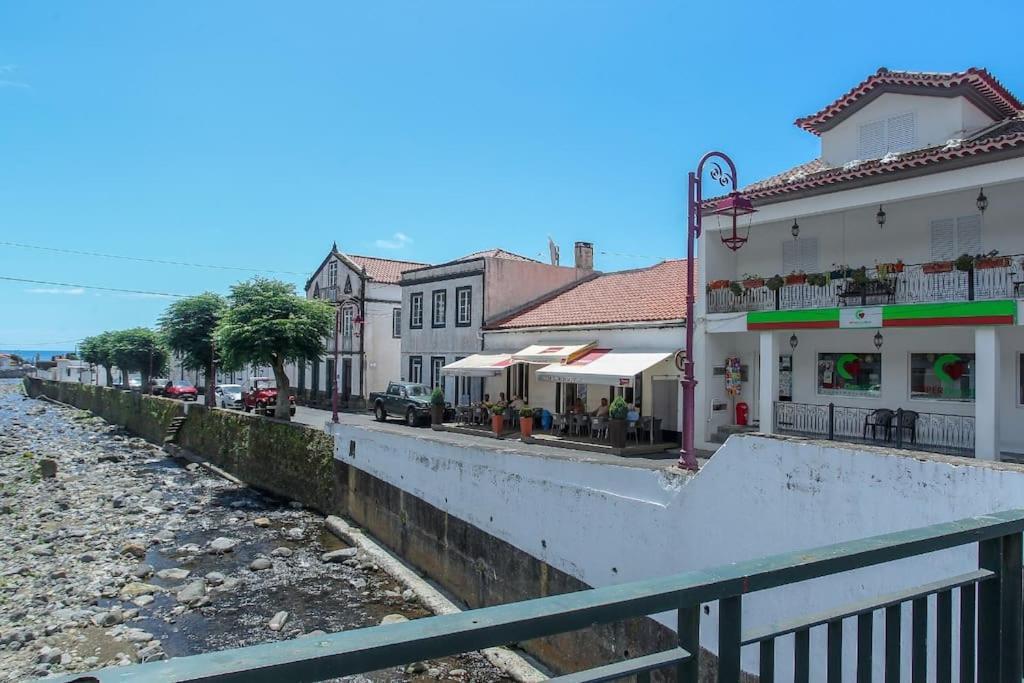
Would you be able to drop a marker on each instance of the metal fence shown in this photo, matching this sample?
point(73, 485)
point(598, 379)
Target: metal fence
point(918, 283)
point(930, 431)
point(987, 635)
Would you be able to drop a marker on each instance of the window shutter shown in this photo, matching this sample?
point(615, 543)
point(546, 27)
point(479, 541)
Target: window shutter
point(902, 133)
point(790, 256)
point(968, 235)
point(872, 140)
point(807, 248)
point(943, 240)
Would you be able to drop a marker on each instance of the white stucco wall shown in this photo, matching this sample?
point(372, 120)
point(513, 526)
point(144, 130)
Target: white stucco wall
point(607, 524)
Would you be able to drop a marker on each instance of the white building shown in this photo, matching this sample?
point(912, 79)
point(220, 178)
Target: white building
point(76, 371)
point(447, 306)
point(611, 334)
point(915, 169)
point(366, 290)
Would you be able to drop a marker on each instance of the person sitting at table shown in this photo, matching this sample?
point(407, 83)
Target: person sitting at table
point(602, 410)
point(487, 399)
point(578, 407)
point(517, 403)
point(633, 413)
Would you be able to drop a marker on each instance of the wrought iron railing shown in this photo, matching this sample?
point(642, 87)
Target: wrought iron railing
point(920, 283)
point(987, 635)
point(920, 431)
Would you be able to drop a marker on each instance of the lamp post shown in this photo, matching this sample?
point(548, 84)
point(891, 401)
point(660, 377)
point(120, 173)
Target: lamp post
point(734, 205)
point(334, 380)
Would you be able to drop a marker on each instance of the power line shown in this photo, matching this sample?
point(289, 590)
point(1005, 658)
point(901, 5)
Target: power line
point(141, 259)
point(102, 289)
point(644, 256)
point(10, 345)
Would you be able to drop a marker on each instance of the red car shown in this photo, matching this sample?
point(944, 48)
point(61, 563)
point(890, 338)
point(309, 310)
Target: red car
point(261, 395)
point(183, 390)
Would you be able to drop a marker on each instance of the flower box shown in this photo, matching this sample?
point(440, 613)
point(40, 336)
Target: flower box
point(796, 278)
point(937, 267)
point(719, 284)
point(992, 262)
point(753, 283)
point(891, 267)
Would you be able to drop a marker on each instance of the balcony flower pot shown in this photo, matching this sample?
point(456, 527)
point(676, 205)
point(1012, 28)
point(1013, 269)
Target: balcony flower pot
point(497, 420)
point(526, 422)
point(796, 278)
point(896, 267)
point(436, 406)
point(753, 282)
point(774, 283)
point(719, 284)
point(988, 262)
point(818, 279)
point(964, 263)
point(736, 288)
point(936, 267)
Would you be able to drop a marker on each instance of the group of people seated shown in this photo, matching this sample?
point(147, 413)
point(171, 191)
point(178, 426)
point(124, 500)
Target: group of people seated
point(577, 408)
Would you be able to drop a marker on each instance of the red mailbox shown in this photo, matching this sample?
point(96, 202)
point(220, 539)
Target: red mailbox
point(742, 413)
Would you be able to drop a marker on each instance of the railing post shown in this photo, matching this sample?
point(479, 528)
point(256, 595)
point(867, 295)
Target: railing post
point(730, 626)
point(899, 428)
point(688, 632)
point(970, 283)
point(778, 297)
point(1011, 627)
point(989, 601)
point(831, 421)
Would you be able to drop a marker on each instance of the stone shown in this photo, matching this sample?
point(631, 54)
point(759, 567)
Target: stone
point(296, 533)
point(48, 655)
point(262, 522)
point(108, 619)
point(173, 574)
point(277, 622)
point(295, 505)
point(282, 551)
point(215, 578)
point(458, 673)
point(357, 583)
point(192, 592)
point(339, 555)
point(41, 550)
point(152, 653)
point(260, 563)
point(137, 588)
point(48, 468)
point(137, 635)
point(142, 600)
point(222, 544)
point(416, 668)
point(393, 619)
point(142, 570)
point(409, 595)
point(134, 549)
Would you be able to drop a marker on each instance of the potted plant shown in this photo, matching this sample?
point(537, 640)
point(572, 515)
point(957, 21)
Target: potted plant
point(719, 284)
point(964, 263)
point(860, 276)
point(991, 260)
point(526, 422)
point(840, 272)
point(436, 406)
point(753, 281)
point(736, 288)
point(617, 422)
point(774, 283)
point(936, 267)
point(890, 268)
point(497, 419)
point(818, 279)
point(796, 278)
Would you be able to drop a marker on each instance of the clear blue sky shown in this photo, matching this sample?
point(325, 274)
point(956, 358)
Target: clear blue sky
point(254, 134)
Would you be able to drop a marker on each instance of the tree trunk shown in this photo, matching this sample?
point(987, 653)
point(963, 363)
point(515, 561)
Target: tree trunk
point(211, 382)
point(110, 375)
point(283, 409)
point(145, 382)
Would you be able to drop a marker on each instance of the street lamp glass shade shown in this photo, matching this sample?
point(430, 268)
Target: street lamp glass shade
point(795, 230)
point(878, 340)
point(880, 216)
point(793, 341)
point(734, 205)
point(982, 201)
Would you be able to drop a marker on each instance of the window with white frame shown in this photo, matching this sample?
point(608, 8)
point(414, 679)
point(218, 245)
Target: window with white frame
point(463, 306)
point(416, 310)
point(332, 273)
point(396, 323)
point(439, 302)
point(952, 237)
point(896, 133)
point(416, 369)
point(436, 378)
point(346, 321)
point(800, 255)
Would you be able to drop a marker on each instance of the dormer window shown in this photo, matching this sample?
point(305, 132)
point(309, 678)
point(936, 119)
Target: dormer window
point(332, 273)
point(893, 134)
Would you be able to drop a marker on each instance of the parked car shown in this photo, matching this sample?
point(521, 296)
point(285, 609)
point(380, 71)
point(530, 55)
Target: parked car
point(229, 396)
point(156, 386)
point(181, 389)
point(260, 396)
point(134, 382)
point(407, 399)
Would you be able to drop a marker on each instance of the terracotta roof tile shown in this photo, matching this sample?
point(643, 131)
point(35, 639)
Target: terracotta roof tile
point(646, 294)
point(497, 253)
point(383, 269)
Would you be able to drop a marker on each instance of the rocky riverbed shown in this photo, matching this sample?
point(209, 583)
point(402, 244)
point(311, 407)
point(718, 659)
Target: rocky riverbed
point(115, 553)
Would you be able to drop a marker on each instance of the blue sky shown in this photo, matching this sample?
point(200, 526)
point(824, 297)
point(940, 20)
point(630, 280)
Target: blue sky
point(253, 134)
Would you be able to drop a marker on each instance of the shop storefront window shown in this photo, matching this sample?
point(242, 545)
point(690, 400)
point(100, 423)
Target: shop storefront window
point(942, 376)
point(850, 374)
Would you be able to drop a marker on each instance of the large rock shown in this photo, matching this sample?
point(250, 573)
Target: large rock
point(137, 588)
point(277, 622)
point(173, 574)
point(47, 468)
point(393, 619)
point(339, 555)
point(260, 563)
point(192, 592)
point(134, 549)
point(223, 544)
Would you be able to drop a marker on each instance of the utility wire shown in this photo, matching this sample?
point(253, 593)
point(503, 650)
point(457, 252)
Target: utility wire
point(103, 289)
point(148, 260)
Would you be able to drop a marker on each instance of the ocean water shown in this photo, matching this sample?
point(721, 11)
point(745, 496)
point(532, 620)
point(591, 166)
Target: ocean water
point(30, 354)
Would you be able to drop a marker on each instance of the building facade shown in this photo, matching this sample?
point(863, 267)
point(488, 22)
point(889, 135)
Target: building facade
point(877, 295)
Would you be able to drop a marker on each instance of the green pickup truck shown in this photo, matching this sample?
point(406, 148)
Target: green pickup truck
point(407, 399)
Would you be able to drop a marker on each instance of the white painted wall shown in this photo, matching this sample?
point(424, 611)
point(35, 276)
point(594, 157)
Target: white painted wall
point(607, 524)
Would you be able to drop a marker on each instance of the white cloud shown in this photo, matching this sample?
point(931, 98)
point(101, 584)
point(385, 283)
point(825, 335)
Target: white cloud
point(7, 71)
point(73, 291)
point(397, 241)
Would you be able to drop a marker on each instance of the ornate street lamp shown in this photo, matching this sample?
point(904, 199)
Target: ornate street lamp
point(795, 230)
point(793, 341)
point(734, 205)
point(982, 201)
point(880, 217)
point(878, 340)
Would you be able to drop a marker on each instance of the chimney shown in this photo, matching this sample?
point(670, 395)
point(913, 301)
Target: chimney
point(584, 253)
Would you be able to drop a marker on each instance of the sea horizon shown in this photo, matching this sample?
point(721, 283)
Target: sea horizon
point(29, 355)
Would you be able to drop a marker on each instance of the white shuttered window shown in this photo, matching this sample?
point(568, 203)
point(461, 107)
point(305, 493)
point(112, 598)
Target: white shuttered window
point(800, 255)
point(953, 237)
point(894, 134)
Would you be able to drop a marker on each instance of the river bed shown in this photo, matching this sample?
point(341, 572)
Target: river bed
point(128, 555)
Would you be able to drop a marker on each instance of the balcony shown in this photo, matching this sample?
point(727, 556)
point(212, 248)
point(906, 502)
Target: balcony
point(999, 277)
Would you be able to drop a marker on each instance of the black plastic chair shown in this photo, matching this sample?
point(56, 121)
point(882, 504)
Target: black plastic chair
point(879, 419)
point(908, 425)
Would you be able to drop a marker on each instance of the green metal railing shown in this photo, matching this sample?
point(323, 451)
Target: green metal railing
point(988, 632)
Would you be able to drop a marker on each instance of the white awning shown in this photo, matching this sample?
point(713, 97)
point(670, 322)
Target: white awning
point(479, 365)
point(552, 353)
point(603, 366)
